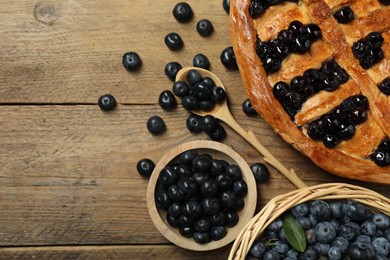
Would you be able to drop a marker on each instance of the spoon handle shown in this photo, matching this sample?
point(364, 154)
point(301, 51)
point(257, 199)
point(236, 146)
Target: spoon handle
point(268, 156)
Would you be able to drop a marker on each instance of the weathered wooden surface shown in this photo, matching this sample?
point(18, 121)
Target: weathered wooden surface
point(68, 184)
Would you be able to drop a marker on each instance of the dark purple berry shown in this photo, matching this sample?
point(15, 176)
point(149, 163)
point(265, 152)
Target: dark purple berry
point(223, 182)
point(201, 163)
point(218, 94)
point(193, 77)
point(248, 109)
point(162, 200)
point(204, 27)
point(381, 158)
point(313, 32)
point(228, 58)
point(218, 134)
point(217, 219)
point(295, 28)
point(271, 63)
point(145, 167)
point(315, 130)
point(210, 123)
point(231, 218)
point(240, 188)
point(190, 103)
point(201, 91)
point(131, 61)
point(171, 69)
point(167, 100)
point(217, 232)
point(344, 15)
point(256, 9)
point(194, 123)
point(175, 210)
point(260, 172)
point(173, 41)
point(210, 206)
point(201, 237)
point(181, 89)
point(186, 231)
point(280, 90)
point(384, 86)
point(182, 12)
point(226, 5)
point(156, 125)
point(206, 105)
point(201, 61)
point(330, 141)
point(107, 102)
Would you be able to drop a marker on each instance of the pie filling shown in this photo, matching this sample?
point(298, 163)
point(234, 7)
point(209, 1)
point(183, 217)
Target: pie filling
point(341, 122)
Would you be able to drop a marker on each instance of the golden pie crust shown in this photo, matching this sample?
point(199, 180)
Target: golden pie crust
point(350, 158)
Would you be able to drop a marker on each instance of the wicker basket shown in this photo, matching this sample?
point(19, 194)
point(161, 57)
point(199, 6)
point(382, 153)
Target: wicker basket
point(278, 205)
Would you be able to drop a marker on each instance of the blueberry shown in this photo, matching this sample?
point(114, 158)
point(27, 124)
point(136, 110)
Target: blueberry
point(385, 145)
point(175, 193)
point(231, 218)
point(190, 103)
point(200, 177)
point(381, 158)
point(218, 94)
point(187, 157)
point(295, 27)
point(354, 210)
point(206, 105)
point(342, 243)
point(218, 134)
point(182, 12)
point(348, 232)
point(175, 210)
point(228, 199)
point(202, 225)
point(260, 172)
point(180, 89)
point(271, 63)
point(194, 123)
point(217, 219)
point(301, 209)
point(201, 163)
point(240, 188)
point(384, 86)
point(186, 231)
point(217, 233)
point(209, 123)
point(201, 91)
point(310, 254)
point(239, 205)
point(191, 209)
point(163, 200)
point(131, 61)
point(156, 125)
point(171, 69)
point(330, 141)
point(226, 5)
point(271, 254)
point(368, 228)
point(334, 253)
point(280, 90)
point(145, 167)
point(301, 45)
point(361, 251)
point(208, 188)
point(186, 221)
point(201, 61)
point(107, 102)
point(315, 130)
point(381, 246)
point(248, 108)
point(313, 31)
point(167, 100)
point(363, 238)
point(381, 220)
point(216, 168)
point(325, 232)
point(256, 9)
point(281, 247)
point(173, 221)
point(321, 248)
point(187, 185)
point(168, 176)
point(234, 172)
point(193, 77)
point(304, 222)
point(346, 132)
point(228, 58)
point(201, 237)
point(336, 208)
point(204, 27)
point(173, 41)
point(210, 206)
point(344, 15)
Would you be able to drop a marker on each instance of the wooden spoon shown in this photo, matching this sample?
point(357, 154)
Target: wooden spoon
point(222, 112)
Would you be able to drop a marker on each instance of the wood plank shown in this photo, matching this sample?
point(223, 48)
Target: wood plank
point(71, 52)
point(68, 172)
point(112, 252)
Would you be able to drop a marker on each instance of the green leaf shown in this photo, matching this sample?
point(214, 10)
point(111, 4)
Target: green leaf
point(294, 233)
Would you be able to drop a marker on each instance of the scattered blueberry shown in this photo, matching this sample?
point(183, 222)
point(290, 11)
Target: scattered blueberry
point(167, 100)
point(204, 27)
point(201, 61)
point(131, 61)
point(194, 123)
point(107, 102)
point(226, 5)
point(218, 134)
point(182, 12)
point(156, 125)
point(228, 58)
point(145, 167)
point(173, 41)
point(260, 171)
point(171, 69)
point(248, 108)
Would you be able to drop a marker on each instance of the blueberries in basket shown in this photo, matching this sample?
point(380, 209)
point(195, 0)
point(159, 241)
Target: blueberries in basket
point(260, 171)
point(171, 69)
point(182, 12)
point(200, 197)
point(204, 27)
point(156, 125)
point(145, 167)
point(173, 41)
point(131, 61)
point(107, 102)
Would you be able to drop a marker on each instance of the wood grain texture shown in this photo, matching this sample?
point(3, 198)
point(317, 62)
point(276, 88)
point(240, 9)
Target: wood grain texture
point(69, 188)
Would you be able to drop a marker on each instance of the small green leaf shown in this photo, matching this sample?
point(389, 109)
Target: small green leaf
point(294, 233)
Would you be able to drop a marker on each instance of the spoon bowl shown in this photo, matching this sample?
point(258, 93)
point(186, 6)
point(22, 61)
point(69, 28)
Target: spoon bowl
point(221, 111)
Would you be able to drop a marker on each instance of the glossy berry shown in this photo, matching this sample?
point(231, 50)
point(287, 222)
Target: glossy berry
point(204, 27)
point(256, 9)
point(209, 123)
point(162, 200)
point(240, 188)
point(201, 91)
point(186, 231)
point(223, 182)
point(228, 58)
point(131, 61)
point(361, 251)
point(248, 108)
point(201, 61)
point(145, 167)
point(210, 206)
point(190, 103)
point(201, 163)
point(182, 12)
point(260, 171)
point(258, 249)
point(384, 86)
point(187, 157)
point(181, 89)
point(202, 225)
point(173, 41)
point(175, 210)
point(325, 232)
point(175, 193)
point(168, 176)
point(217, 232)
point(201, 237)
point(381, 158)
point(218, 94)
point(194, 123)
point(227, 199)
point(313, 32)
point(208, 188)
point(344, 15)
point(193, 77)
point(171, 69)
point(234, 172)
point(107, 102)
point(226, 5)
point(218, 134)
point(156, 125)
point(280, 90)
point(330, 141)
point(381, 220)
point(217, 219)
point(167, 100)
point(231, 218)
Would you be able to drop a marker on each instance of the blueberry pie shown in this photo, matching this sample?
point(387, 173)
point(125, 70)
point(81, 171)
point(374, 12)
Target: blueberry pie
point(318, 71)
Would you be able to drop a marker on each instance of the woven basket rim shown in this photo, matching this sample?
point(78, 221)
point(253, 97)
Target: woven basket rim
point(281, 203)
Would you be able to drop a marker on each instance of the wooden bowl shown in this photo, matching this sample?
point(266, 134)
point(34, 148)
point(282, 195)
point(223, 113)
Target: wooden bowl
point(217, 151)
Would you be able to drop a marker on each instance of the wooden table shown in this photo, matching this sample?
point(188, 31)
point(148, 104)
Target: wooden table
point(68, 181)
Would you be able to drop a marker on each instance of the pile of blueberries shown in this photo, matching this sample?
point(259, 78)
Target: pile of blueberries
point(329, 77)
point(369, 50)
point(340, 124)
point(335, 230)
point(297, 38)
point(201, 196)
